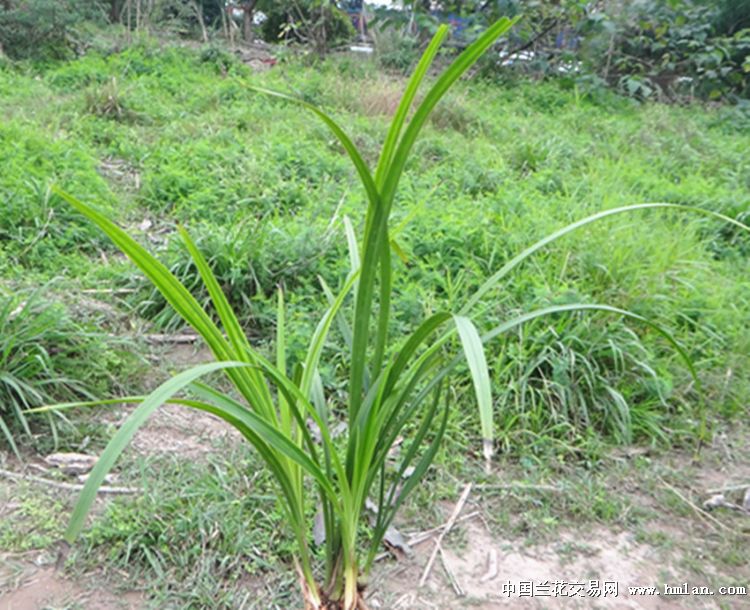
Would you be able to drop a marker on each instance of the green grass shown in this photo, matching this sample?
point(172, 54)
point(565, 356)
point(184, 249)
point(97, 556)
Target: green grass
point(51, 350)
point(194, 532)
point(263, 189)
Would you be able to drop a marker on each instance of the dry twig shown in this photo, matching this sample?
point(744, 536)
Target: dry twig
point(16, 476)
point(696, 509)
point(164, 338)
point(449, 573)
point(420, 537)
point(456, 512)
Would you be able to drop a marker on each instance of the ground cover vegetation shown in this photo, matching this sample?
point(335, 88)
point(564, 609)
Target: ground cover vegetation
point(155, 135)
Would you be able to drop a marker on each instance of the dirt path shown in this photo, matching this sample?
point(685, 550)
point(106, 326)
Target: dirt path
point(42, 588)
point(564, 574)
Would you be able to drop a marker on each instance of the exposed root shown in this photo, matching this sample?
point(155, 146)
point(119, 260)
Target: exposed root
point(320, 599)
point(361, 605)
point(323, 602)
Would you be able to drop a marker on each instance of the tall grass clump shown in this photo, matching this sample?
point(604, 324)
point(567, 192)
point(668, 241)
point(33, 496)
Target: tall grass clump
point(45, 355)
point(396, 384)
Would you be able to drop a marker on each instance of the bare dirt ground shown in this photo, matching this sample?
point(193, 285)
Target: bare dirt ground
point(175, 429)
point(29, 587)
point(600, 555)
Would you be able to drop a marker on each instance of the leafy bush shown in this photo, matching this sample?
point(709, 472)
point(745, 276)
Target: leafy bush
point(671, 50)
point(43, 29)
point(250, 260)
point(676, 49)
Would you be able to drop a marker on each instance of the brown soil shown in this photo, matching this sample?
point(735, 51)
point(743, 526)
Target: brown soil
point(44, 588)
point(178, 430)
point(598, 554)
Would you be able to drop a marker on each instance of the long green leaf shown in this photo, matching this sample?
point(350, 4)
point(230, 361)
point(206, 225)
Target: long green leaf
point(404, 106)
point(376, 226)
point(462, 63)
point(168, 285)
point(493, 280)
point(475, 358)
point(260, 397)
point(225, 406)
point(126, 432)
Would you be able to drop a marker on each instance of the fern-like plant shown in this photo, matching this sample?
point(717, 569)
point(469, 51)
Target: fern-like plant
point(395, 383)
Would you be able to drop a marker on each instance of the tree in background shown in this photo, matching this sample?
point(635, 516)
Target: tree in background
point(44, 29)
point(317, 23)
point(670, 49)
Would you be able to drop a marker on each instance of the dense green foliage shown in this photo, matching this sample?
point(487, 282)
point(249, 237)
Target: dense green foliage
point(666, 49)
point(317, 23)
point(672, 50)
point(156, 135)
point(264, 201)
point(48, 354)
point(44, 29)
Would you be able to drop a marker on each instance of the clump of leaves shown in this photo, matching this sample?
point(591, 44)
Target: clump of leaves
point(395, 385)
point(45, 355)
point(107, 101)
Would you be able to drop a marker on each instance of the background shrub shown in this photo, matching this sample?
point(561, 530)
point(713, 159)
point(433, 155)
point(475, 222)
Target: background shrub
point(44, 29)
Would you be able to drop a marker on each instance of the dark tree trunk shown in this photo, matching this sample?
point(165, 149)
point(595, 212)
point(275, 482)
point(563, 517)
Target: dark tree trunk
point(6, 5)
point(248, 9)
point(114, 11)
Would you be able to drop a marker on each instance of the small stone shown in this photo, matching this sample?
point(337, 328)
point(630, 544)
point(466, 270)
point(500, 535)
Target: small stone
point(71, 463)
point(716, 501)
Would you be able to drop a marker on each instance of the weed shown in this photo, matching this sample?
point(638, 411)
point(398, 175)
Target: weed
point(107, 101)
point(46, 355)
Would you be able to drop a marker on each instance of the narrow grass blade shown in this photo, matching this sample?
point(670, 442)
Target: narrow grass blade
point(399, 251)
point(388, 509)
point(9, 437)
point(312, 357)
point(126, 432)
point(493, 280)
point(343, 325)
point(87, 403)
